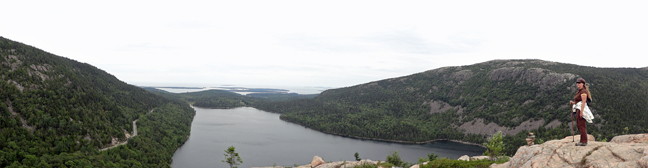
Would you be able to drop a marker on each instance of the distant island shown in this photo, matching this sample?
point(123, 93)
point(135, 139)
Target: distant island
point(243, 89)
point(170, 87)
point(233, 89)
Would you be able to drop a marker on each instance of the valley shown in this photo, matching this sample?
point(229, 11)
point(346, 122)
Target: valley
point(60, 112)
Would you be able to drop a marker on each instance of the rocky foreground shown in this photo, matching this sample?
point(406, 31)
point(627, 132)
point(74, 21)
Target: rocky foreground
point(318, 162)
point(621, 151)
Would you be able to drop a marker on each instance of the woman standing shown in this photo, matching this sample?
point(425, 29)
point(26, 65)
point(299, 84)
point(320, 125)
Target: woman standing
point(579, 103)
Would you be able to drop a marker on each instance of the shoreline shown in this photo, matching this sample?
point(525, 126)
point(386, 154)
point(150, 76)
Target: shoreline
point(191, 105)
point(388, 140)
point(363, 138)
point(397, 141)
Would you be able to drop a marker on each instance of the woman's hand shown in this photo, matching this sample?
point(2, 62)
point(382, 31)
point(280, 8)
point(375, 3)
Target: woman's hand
point(571, 102)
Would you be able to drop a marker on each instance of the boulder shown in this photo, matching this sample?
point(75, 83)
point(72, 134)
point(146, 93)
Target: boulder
point(643, 162)
point(563, 153)
point(632, 138)
point(346, 164)
point(339, 164)
point(359, 163)
point(317, 161)
point(464, 157)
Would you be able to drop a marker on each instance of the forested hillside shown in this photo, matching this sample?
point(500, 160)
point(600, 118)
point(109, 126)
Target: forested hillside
point(59, 112)
point(468, 102)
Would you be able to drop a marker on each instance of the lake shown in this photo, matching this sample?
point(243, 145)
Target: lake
point(262, 139)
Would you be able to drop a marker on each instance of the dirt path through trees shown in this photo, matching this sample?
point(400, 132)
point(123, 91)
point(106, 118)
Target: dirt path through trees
point(126, 142)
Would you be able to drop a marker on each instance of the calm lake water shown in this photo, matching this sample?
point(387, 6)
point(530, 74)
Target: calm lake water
point(262, 139)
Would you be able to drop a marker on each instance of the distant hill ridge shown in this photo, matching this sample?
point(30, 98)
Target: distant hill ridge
point(57, 112)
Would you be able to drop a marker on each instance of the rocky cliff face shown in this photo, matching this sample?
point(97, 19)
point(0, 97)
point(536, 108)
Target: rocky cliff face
point(622, 151)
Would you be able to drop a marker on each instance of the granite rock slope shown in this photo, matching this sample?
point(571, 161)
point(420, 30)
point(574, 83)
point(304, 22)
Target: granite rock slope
point(623, 151)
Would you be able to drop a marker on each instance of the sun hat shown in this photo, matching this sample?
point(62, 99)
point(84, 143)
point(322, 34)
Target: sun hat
point(580, 80)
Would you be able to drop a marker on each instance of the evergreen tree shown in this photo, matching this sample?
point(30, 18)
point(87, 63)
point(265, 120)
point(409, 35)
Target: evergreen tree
point(232, 158)
point(396, 160)
point(494, 146)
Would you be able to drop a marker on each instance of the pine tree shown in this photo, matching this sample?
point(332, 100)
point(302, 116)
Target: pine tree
point(232, 158)
point(494, 146)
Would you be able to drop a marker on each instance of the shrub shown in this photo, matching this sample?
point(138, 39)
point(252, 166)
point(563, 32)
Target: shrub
point(395, 159)
point(449, 163)
point(430, 157)
point(494, 146)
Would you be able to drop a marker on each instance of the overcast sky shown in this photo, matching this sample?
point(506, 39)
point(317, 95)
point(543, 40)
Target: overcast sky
point(322, 43)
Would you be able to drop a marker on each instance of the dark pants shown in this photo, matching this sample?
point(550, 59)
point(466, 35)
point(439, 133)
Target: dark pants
point(582, 128)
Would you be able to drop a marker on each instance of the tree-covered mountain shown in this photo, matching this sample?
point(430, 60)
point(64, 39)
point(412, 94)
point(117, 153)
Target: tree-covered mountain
point(57, 112)
point(471, 102)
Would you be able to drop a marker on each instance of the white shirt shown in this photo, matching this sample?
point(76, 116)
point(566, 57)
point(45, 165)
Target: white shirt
point(587, 113)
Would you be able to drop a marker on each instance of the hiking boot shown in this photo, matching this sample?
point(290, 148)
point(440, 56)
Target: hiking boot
point(581, 144)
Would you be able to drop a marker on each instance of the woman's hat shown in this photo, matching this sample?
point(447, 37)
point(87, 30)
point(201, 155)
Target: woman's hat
point(580, 80)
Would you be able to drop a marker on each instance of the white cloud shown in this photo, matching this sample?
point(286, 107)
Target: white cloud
point(327, 43)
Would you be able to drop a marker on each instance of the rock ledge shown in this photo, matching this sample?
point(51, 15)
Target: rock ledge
point(624, 151)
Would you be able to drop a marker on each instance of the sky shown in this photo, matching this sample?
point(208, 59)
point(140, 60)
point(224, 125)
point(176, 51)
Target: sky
point(322, 43)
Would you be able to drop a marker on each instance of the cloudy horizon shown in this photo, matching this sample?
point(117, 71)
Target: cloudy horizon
point(325, 44)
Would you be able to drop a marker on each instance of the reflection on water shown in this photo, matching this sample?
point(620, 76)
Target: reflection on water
point(263, 140)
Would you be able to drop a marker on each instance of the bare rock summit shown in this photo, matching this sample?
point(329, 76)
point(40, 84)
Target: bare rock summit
point(622, 151)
